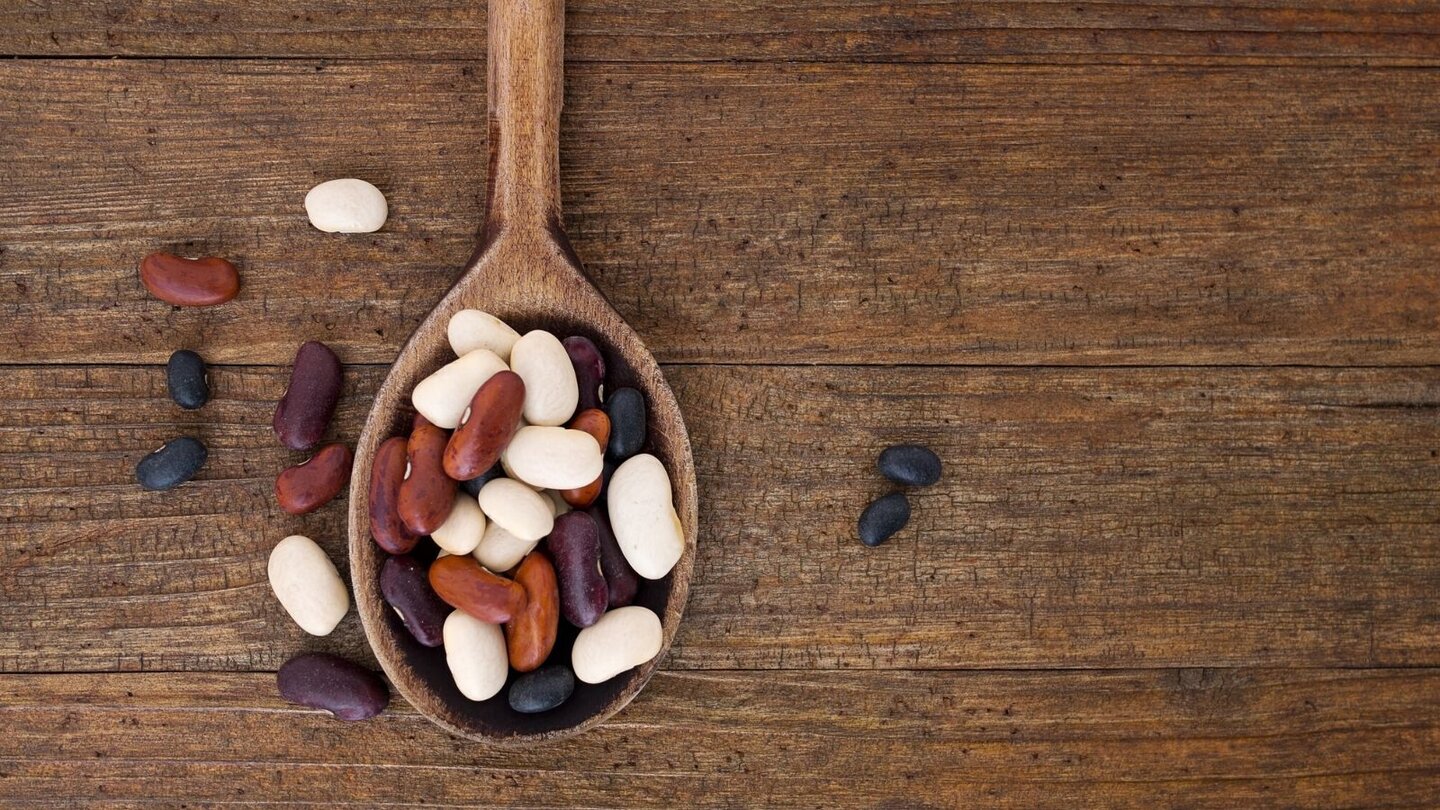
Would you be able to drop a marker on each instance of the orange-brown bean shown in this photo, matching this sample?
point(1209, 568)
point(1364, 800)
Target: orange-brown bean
point(386, 476)
point(427, 494)
point(465, 585)
point(487, 426)
point(530, 636)
point(189, 282)
point(314, 482)
point(597, 424)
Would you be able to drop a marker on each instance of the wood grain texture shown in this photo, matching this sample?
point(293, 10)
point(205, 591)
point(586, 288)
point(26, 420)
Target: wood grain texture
point(1088, 518)
point(1192, 738)
point(1271, 31)
point(750, 213)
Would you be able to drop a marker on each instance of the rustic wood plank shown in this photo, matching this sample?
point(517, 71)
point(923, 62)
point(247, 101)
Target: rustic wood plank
point(1203, 738)
point(752, 213)
point(1324, 31)
point(1089, 518)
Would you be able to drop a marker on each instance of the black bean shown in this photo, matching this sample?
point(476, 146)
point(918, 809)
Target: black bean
point(626, 409)
point(883, 518)
point(542, 690)
point(405, 584)
point(474, 484)
point(910, 465)
point(589, 370)
point(620, 579)
point(185, 375)
point(171, 465)
point(324, 681)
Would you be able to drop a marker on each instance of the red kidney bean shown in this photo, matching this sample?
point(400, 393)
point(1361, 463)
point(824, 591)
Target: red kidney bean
point(189, 282)
point(621, 581)
point(405, 584)
point(312, 483)
point(597, 424)
point(426, 494)
point(530, 636)
point(626, 409)
point(574, 544)
point(486, 426)
point(304, 412)
point(386, 475)
point(324, 681)
point(589, 366)
point(465, 585)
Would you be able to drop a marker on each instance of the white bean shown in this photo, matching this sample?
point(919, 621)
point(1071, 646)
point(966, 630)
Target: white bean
point(623, 638)
point(462, 530)
point(308, 585)
point(475, 653)
point(642, 515)
point(561, 507)
point(551, 390)
point(500, 550)
point(443, 396)
point(347, 205)
point(553, 457)
point(471, 329)
point(517, 508)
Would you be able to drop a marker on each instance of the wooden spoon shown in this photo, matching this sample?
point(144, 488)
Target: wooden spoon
point(526, 273)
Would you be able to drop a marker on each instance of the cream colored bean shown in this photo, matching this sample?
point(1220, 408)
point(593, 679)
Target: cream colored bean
point(623, 638)
point(642, 515)
point(553, 457)
point(347, 205)
point(443, 396)
point(462, 530)
point(500, 550)
point(517, 508)
point(557, 502)
point(471, 329)
point(551, 390)
point(308, 585)
point(475, 652)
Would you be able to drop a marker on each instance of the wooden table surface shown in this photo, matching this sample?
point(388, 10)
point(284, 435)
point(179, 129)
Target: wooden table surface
point(1160, 283)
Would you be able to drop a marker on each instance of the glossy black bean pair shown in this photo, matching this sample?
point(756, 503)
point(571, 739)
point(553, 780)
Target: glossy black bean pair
point(172, 465)
point(542, 690)
point(186, 378)
point(341, 687)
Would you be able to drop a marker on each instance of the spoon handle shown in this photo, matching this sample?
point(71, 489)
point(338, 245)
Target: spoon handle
point(526, 91)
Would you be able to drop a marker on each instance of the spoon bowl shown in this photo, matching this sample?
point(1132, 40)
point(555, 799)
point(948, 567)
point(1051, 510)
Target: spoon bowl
point(526, 273)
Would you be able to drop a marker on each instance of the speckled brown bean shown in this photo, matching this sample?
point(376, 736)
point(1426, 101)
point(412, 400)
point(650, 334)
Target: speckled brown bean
point(620, 579)
point(314, 482)
point(324, 681)
point(597, 424)
point(589, 369)
point(386, 475)
point(304, 412)
point(486, 426)
point(464, 584)
point(189, 282)
point(574, 545)
point(530, 636)
point(427, 494)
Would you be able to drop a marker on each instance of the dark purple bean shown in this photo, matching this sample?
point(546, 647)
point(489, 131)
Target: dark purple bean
point(542, 690)
point(574, 545)
point(626, 409)
point(621, 581)
point(324, 681)
point(185, 377)
point(304, 412)
point(405, 584)
point(589, 369)
point(472, 487)
point(909, 465)
point(172, 465)
point(883, 518)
